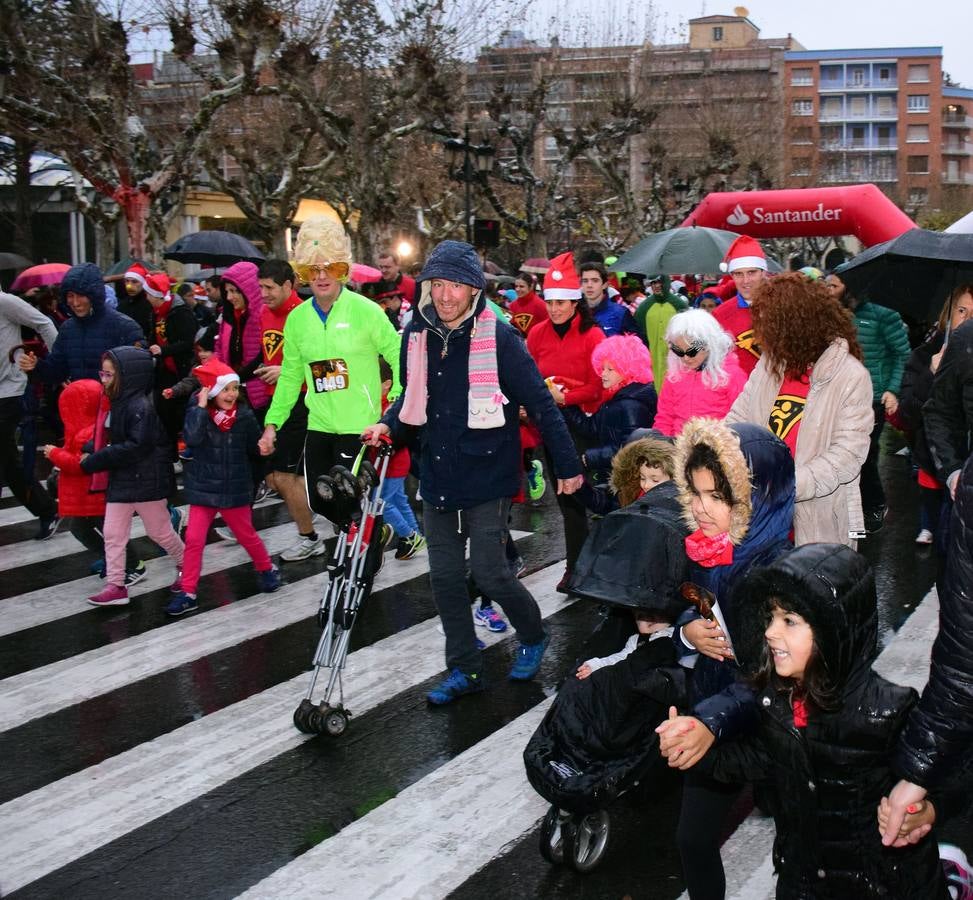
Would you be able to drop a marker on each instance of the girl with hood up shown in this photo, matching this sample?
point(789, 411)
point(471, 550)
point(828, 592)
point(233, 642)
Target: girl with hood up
point(828, 725)
point(628, 402)
point(736, 488)
point(137, 464)
point(241, 332)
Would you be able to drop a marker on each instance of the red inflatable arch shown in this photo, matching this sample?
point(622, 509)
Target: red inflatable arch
point(861, 210)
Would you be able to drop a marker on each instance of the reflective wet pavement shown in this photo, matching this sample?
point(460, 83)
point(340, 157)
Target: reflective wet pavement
point(227, 837)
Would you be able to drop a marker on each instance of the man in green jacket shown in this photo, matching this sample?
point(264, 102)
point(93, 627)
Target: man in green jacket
point(651, 318)
point(332, 343)
point(885, 345)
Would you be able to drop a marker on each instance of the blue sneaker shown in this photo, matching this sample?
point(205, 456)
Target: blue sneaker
point(98, 568)
point(181, 603)
point(487, 617)
point(270, 580)
point(480, 645)
point(528, 660)
point(456, 685)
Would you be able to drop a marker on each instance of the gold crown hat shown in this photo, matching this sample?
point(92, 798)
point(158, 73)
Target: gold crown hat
point(320, 241)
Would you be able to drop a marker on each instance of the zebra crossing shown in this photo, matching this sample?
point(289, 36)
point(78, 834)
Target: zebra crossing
point(148, 758)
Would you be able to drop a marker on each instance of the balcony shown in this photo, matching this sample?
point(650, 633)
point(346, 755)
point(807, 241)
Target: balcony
point(866, 84)
point(957, 120)
point(856, 176)
point(958, 178)
point(855, 116)
point(889, 144)
point(951, 148)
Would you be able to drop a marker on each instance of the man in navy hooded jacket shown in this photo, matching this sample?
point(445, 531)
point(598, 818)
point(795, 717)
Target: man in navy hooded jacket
point(92, 329)
point(465, 376)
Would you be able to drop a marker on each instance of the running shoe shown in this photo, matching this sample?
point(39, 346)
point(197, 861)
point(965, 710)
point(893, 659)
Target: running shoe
point(410, 546)
point(47, 528)
point(536, 485)
point(959, 875)
point(528, 660)
point(304, 549)
point(110, 595)
point(386, 536)
point(487, 617)
point(924, 537)
point(135, 575)
point(270, 580)
point(181, 603)
point(457, 684)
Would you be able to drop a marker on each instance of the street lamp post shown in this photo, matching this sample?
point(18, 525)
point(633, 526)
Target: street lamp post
point(468, 163)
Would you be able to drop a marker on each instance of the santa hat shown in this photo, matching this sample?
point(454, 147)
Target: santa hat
point(156, 285)
point(137, 272)
point(561, 282)
point(215, 375)
point(744, 253)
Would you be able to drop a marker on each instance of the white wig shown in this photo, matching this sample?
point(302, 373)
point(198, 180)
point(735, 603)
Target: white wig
point(699, 329)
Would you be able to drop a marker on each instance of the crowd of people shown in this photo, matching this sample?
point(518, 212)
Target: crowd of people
point(749, 407)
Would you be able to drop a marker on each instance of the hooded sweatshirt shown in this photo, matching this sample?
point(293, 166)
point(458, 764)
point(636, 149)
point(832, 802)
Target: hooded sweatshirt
point(239, 341)
point(78, 405)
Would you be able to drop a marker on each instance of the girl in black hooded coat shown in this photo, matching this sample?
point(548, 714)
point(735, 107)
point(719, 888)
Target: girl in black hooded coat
point(828, 728)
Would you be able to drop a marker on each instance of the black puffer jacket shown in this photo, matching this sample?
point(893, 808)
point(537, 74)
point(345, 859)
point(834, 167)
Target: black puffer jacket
point(219, 474)
point(941, 727)
point(633, 406)
point(831, 775)
point(138, 455)
point(916, 389)
point(948, 415)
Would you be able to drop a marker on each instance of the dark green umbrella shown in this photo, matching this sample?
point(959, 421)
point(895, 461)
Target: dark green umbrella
point(679, 250)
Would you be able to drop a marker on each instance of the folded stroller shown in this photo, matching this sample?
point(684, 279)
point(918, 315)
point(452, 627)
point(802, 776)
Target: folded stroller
point(598, 739)
point(353, 499)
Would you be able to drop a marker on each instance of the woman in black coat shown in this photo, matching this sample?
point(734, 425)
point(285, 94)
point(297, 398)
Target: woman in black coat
point(827, 730)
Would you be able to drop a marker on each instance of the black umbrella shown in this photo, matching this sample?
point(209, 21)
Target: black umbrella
point(215, 248)
point(913, 273)
point(14, 261)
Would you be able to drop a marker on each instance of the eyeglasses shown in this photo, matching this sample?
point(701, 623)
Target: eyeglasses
point(335, 270)
point(691, 351)
point(104, 376)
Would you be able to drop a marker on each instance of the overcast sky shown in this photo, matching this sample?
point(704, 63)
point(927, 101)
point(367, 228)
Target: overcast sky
point(818, 25)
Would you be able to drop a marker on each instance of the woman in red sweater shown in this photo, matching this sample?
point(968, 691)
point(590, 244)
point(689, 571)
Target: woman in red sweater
point(561, 347)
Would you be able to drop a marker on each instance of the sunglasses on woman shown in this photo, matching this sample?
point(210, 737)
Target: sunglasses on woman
point(691, 351)
point(335, 270)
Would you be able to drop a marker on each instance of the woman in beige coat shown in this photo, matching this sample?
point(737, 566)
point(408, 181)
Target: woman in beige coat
point(811, 389)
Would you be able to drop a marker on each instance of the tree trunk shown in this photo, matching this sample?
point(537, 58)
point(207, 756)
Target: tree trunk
point(23, 237)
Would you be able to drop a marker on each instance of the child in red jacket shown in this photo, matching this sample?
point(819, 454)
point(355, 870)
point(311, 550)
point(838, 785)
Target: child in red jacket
point(77, 499)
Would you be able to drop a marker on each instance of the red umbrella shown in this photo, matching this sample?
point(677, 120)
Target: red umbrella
point(536, 265)
point(39, 276)
point(364, 274)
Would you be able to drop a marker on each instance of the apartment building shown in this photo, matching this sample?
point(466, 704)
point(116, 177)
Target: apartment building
point(879, 115)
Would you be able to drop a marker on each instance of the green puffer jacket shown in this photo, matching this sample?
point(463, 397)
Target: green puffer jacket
point(885, 344)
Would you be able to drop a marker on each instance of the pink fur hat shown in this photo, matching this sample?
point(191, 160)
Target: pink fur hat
point(628, 355)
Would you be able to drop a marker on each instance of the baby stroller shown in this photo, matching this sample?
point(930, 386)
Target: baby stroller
point(354, 503)
point(598, 739)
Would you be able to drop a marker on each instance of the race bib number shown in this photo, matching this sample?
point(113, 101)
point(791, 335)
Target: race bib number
point(329, 375)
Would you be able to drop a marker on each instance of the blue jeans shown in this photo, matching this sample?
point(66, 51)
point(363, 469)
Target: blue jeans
point(398, 513)
point(486, 528)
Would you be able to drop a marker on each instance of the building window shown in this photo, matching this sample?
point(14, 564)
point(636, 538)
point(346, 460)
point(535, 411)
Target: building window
point(718, 33)
point(917, 165)
point(801, 166)
point(917, 134)
point(884, 137)
point(918, 73)
point(884, 74)
point(802, 135)
point(858, 106)
point(857, 76)
point(885, 105)
point(918, 103)
point(801, 77)
point(918, 196)
point(831, 107)
point(802, 108)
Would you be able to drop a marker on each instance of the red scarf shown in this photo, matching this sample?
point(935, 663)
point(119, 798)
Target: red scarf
point(223, 419)
point(709, 551)
point(800, 712)
point(99, 480)
point(608, 393)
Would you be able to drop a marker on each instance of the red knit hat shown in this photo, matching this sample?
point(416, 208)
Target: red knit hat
point(561, 282)
point(744, 253)
point(137, 272)
point(215, 375)
point(156, 285)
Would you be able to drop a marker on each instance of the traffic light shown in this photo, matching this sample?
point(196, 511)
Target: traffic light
point(486, 232)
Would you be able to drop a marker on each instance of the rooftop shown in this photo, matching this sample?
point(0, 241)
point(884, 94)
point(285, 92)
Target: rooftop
point(864, 53)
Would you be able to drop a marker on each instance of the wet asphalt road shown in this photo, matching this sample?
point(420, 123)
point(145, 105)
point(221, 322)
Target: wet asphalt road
point(227, 839)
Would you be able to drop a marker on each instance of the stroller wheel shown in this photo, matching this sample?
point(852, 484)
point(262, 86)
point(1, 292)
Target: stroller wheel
point(302, 717)
point(585, 839)
point(367, 476)
point(345, 482)
point(326, 488)
point(552, 838)
point(315, 718)
point(335, 722)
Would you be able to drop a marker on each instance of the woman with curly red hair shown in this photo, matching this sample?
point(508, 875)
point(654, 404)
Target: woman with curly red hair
point(811, 389)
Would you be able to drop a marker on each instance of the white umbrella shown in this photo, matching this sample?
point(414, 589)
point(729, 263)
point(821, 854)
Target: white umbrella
point(962, 226)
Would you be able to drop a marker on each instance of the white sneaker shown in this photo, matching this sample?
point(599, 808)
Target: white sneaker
point(303, 549)
point(924, 536)
point(225, 534)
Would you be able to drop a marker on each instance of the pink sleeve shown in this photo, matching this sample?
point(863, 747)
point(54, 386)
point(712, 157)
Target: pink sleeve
point(663, 417)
